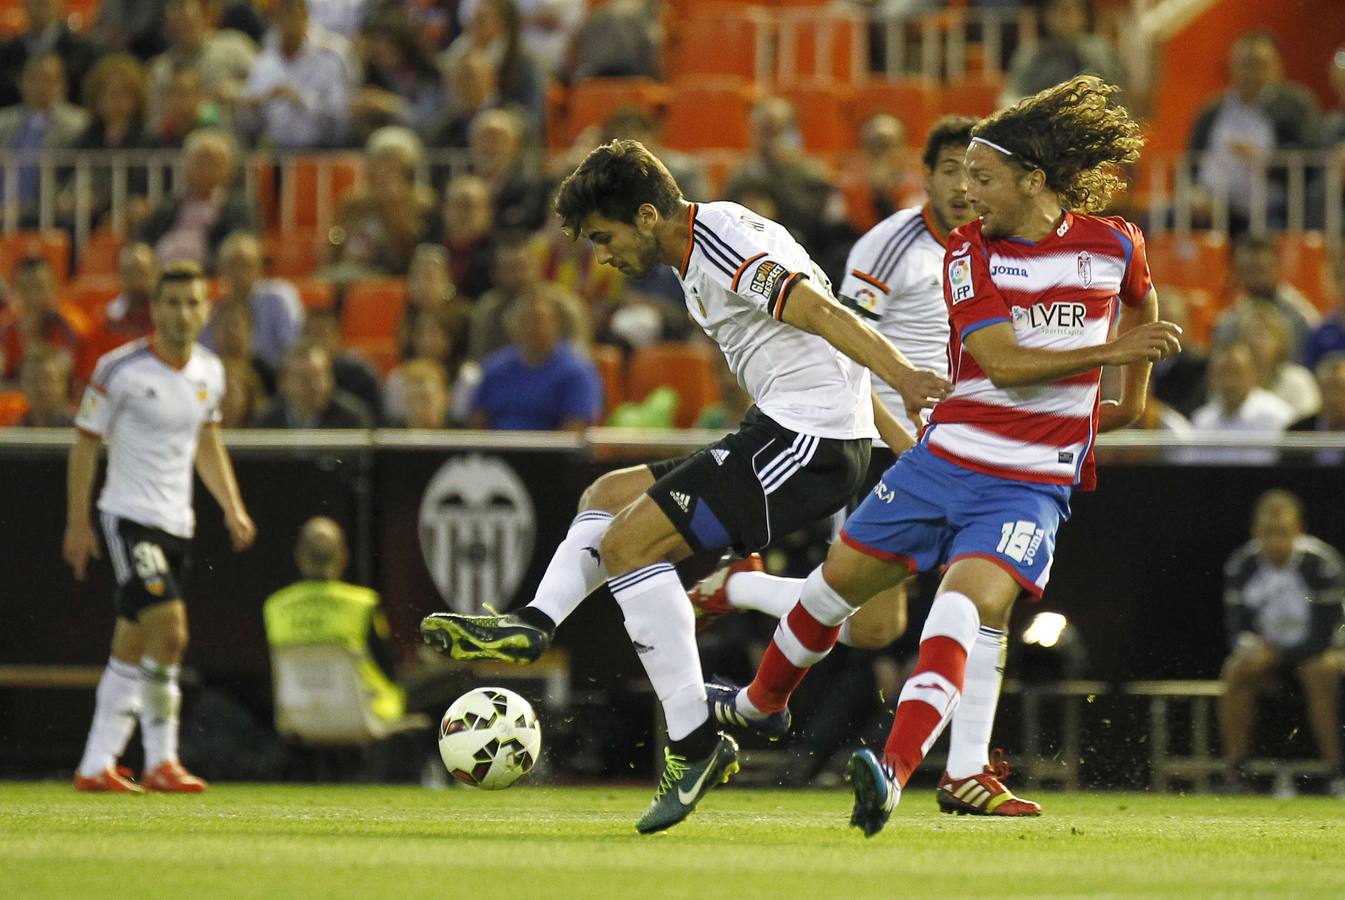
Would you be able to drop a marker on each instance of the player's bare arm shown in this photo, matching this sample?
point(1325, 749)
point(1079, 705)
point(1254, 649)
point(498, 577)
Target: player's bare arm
point(217, 472)
point(80, 542)
point(1008, 365)
point(890, 429)
point(1125, 411)
point(812, 311)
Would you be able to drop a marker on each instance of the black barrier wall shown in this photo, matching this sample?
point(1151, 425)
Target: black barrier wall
point(1137, 571)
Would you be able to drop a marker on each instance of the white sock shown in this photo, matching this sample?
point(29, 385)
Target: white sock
point(769, 594)
point(576, 569)
point(116, 706)
point(159, 714)
point(969, 737)
point(663, 629)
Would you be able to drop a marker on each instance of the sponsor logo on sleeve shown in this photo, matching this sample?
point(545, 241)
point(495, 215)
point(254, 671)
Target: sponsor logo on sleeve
point(89, 407)
point(767, 274)
point(959, 279)
point(867, 298)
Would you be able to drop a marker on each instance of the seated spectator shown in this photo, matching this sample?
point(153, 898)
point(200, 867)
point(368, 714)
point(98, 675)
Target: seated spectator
point(496, 151)
point(439, 337)
point(401, 81)
point(1282, 601)
point(274, 306)
point(298, 95)
point(115, 93)
point(323, 609)
point(131, 26)
point(1331, 385)
point(231, 338)
point(44, 379)
point(35, 317)
point(244, 393)
point(1179, 380)
point(545, 31)
point(1237, 404)
point(538, 382)
point(1236, 134)
point(495, 31)
point(192, 226)
point(517, 274)
point(222, 58)
point(1329, 336)
point(615, 40)
point(42, 121)
point(429, 291)
point(341, 17)
point(309, 397)
point(1066, 46)
point(1266, 334)
point(878, 180)
point(471, 90)
point(468, 235)
point(46, 32)
point(1332, 140)
point(378, 228)
point(126, 317)
point(184, 110)
point(425, 396)
point(1256, 264)
point(353, 373)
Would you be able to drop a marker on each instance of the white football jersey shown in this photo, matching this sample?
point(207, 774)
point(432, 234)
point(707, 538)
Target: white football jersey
point(150, 413)
point(894, 279)
point(737, 273)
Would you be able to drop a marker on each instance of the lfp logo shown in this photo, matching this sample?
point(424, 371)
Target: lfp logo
point(477, 527)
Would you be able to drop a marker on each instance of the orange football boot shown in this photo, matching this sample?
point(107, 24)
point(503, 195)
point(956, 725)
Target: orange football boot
point(108, 781)
point(171, 778)
point(710, 596)
point(983, 794)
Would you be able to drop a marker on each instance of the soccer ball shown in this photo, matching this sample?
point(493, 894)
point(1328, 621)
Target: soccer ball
point(489, 738)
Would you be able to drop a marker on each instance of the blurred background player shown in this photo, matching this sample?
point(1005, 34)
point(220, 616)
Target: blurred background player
point(798, 455)
point(1283, 592)
point(155, 401)
point(1031, 289)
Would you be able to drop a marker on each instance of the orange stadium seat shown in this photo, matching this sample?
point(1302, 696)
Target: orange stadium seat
point(1303, 263)
point(591, 102)
point(709, 114)
point(610, 365)
point(91, 293)
point(308, 198)
point(1197, 260)
point(687, 368)
point(99, 256)
point(717, 40)
point(52, 244)
point(912, 100)
point(292, 254)
point(1201, 311)
point(372, 309)
point(823, 114)
point(970, 97)
point(13, 407)
point(822, 48)
point(315, 294)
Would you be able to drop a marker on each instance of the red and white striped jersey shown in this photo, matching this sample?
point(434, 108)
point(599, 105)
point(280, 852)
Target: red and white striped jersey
point(1058, 294)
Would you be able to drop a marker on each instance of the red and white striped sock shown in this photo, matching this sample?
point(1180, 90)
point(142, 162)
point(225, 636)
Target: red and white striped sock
point(802, 639)
point(931, 694)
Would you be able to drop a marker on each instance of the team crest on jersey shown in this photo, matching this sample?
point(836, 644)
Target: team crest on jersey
point(155, 586)
point(88, 408)
point(959, 279)
point(767, 274)
point(1085, 268)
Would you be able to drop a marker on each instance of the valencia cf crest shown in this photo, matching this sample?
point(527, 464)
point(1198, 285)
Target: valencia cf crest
point(1085, 268)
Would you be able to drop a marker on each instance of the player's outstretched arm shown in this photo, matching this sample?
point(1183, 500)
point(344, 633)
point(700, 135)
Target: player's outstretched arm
point(1125, 411)
point(1008, 365)
point(80, 542)
point(215, 469)
point(810, 310)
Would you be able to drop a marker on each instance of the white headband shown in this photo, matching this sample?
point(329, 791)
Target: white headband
point(1006, 151)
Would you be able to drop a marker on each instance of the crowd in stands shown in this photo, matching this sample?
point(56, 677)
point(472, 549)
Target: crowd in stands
point(487, 314)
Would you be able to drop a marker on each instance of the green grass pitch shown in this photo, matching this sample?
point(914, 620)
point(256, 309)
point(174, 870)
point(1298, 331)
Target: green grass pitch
point(534, 841)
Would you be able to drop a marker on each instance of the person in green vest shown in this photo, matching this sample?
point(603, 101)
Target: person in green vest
point(321, 608)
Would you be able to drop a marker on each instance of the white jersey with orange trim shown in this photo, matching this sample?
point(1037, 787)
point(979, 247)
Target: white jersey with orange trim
point(737, 273)
point(1058, 294)
point(150, 413)
point(894, 279)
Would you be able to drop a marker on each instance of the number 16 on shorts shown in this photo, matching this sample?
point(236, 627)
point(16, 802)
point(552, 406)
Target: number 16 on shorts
point(1020, 541)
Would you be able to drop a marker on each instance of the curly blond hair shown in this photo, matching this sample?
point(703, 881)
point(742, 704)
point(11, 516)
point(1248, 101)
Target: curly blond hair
point(1076, 134)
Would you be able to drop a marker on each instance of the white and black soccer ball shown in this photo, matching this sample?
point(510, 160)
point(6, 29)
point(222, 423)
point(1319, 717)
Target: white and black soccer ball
point(489, 738)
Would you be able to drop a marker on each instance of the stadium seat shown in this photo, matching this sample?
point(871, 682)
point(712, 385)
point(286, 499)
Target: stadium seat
point(99, 256)
point(373, 308)
point(715, 41)
point(292, 254)
point(609, 362)
point(264, 193)
point(315, 294)
point(13, 406)
point(817, 46)
point(971, 96)
point(709, 114)
point(311, 188)
point(52, 244)
point(1197, 260)
point(591, 102)
point(823, 115)
point(912, 100)
point(686, 367)
point(1303, 263)
point(91, 293)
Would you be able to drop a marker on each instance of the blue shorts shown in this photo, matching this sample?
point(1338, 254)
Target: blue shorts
point(928, 512)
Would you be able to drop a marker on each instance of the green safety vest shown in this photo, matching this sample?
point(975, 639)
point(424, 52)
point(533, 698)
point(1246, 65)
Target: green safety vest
point(333, 612)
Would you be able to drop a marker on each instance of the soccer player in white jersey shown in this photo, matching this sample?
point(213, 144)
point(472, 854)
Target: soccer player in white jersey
point(1031, 288)
point(894, 279)
point(798, 455)
point(155, 402)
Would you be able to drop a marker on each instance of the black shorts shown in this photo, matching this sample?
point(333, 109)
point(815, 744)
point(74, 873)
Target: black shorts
point(757, 484)
point(880, 460)
point(150, 564)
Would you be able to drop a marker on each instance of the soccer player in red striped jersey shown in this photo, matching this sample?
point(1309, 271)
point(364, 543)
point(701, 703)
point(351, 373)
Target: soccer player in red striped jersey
point(1031, 289)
